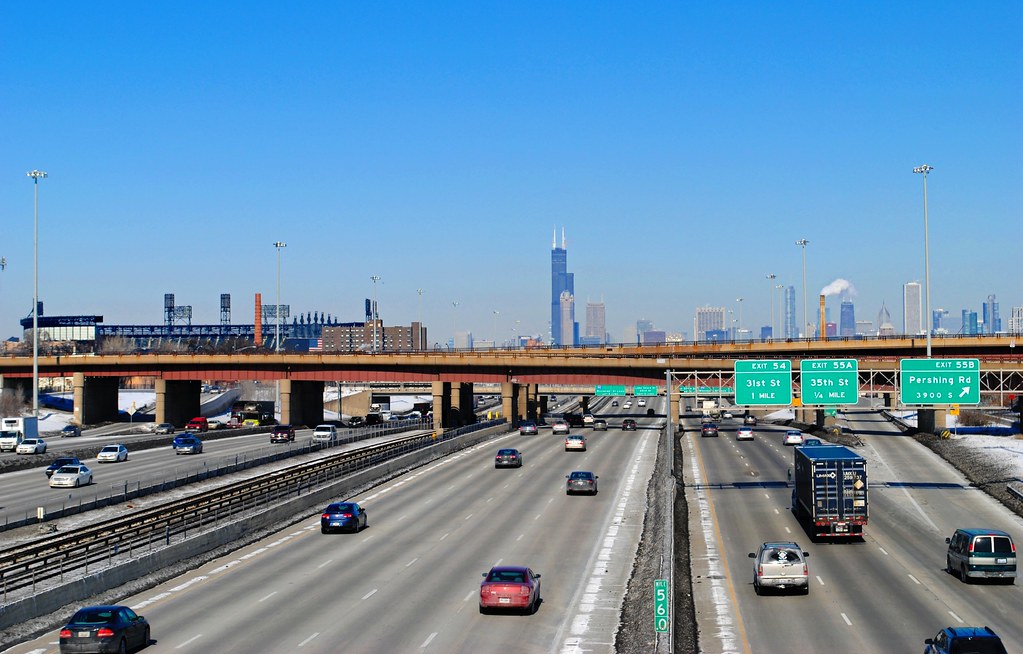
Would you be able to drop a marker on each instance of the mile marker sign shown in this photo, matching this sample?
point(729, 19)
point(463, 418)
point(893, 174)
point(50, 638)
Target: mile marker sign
point(939, 381)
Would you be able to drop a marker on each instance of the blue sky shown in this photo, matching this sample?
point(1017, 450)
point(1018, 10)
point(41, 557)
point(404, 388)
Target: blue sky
point(683, 146)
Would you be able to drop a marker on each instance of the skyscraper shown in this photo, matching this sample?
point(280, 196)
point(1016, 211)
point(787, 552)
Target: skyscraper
point(791, 329)
point(912, 309)
point(642, 325)
point(847, 319)
point(567, 320)
point(992, 323)
point(970, 326)
point(708, 319)
point(1016, 320)
point(595, 327)
point(884, 322)
point(562, 281)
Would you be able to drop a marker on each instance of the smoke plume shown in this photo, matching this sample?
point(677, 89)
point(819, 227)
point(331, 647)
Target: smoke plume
point(839, 287)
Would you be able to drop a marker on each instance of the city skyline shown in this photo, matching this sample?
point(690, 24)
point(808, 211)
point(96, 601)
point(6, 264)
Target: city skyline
point(432, 150)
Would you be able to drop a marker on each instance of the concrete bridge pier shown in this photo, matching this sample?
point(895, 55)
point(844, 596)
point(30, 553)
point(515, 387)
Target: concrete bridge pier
point(533, 403)
point(95, 398)
point(441, 404)
point(584, 403)
point(177, 401)
point(463, 404)
point(301, 402)
point(932, 421)
point(510, 403)
point(544, 401)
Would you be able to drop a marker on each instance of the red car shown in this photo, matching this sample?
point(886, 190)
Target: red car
point(283, 434)
point(510, 587)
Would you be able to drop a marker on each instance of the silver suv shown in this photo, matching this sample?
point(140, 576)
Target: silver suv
point(780, 566)
point(325, 434)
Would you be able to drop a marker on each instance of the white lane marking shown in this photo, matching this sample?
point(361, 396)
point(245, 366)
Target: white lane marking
point(497, 563)
point(519, 538)
point(427, 501)
point(915, 580)
point(367, 538)
point(883, 551)
point(369, 594)
point(451, 488)
point(402, 517)
point(325, 563)
point(472, 593)
point(819, 580)
point(490, 499)
point(193, 580)
point(767, 496)
point(39, 651)
point(908, 495)
point(427, 641)
point(537, 516)
point(787, 530)
point(268, 596)
point(188, 641)
point(445, 535)
point(777, 512)
point(958, 619)
point(468, 516)
point(505, 486)
point(303, 643)
point(846, 618)
point(410, 563)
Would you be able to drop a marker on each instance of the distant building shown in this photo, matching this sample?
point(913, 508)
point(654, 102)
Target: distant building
point(864, 328)
point(884, 322)
point(847, 319)
point(463, 340)
point(595, 323)
point(912, 309)
point(652, 337)
point(791, 327)
point(716, 335)
point(350, 337)
point(765, 332)
point(708, 319)
point(643, 325)
point(562, 282)
point(992, 322)
point(569, 329)
point(1016, 321)
point(938, 321)
point(971, 326)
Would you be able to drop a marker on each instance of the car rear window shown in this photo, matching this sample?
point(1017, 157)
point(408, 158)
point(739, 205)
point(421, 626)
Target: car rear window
point(580, 475)
point(782, 554)
point(507, 575)
point(339, 508)
point(93, 616)
point(1003, 545)
point(506, 452)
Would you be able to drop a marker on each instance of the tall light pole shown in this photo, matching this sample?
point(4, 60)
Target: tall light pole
point(496, 313)
point(923, 170)
point(36, 175)
point(277, 334)
point(739, 331)
point(419, 336)
point(454, 318)
point(374, 313)
point(803, 243)
point(770, 278)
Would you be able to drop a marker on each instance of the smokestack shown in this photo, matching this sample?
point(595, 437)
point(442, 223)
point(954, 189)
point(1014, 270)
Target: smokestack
point(257, 339)
point(823, 329)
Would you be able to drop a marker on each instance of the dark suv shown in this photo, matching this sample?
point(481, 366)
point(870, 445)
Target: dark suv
point(981, 640)
point(60, 463)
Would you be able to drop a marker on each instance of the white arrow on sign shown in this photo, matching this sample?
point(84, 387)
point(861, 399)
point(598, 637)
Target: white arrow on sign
point(965, 391)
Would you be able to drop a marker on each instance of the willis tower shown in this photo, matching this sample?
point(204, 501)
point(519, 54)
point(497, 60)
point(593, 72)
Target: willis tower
point(562, 287)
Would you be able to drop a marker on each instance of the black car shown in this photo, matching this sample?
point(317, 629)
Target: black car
point(60, 463)
point(628, 424)
point(71, 431)
point(982, 640)
point(343, 515)
point(709, 429)
point(104, 629)
point(356, 421)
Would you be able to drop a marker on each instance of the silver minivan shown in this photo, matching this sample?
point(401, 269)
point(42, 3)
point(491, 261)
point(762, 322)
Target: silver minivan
point(981, 554)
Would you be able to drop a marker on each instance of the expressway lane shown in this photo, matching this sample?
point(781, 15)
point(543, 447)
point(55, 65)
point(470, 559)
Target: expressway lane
point(409, 583)
point(886, 593)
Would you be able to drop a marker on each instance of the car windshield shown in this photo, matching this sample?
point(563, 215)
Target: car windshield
point(111, 448)
point(511, 576)
point(94, 616)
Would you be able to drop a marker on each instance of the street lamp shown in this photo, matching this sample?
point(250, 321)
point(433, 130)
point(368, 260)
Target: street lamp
point(454, 317)
point(419, 336)
point(923, 170)
point(374, 313)
point(739, 331)
point(36, 175)
point(770, 278)
point(496, 312)
point(803, 243)
point(277, 334)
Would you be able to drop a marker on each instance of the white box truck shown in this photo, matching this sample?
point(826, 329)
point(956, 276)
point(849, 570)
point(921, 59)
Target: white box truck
point(15, 430)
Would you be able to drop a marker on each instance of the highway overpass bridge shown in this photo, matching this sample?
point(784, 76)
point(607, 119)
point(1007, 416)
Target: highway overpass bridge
point(520, 373)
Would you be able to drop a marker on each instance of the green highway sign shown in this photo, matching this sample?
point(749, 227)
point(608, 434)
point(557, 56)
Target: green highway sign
point(707, 390)
point(763, 383)
point(605, 390)
point(661, 621)
point(939, 381)
point(644, 391)
point(829, 381)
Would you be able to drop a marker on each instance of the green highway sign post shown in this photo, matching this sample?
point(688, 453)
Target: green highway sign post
point(605, 390)
point(661, 621)
point(939, 381)
point(829, 381)
point(644, 391)
point(763, 383)
point(707, 390)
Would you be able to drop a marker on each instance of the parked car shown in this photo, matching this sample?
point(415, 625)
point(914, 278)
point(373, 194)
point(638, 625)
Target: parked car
point(600, 424)
point(581, 481)
point(709, 429)
point(780, 566)
point(343, 515)
point(527, 428)
point(71, 475)
point(744, 433)
point(628, 424)
point(113, 453)
point(508, 458)
point(325, 434)
point(31, 446)
point(187, 444)
point(164, 428)
point(962, 640)
point(792, 437)
point(981, 554)
point(559, 427)
point(60, 462)
point(104, 629)
point(71, 431)
point(510, 587)
point(577, 443)
point(750, 420)
point(283, 434)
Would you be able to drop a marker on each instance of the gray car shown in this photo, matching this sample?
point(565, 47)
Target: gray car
point(508, 458)
point(164, 428)
point(581, 481)
point(780, 566)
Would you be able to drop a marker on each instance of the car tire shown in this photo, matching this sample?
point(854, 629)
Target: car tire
point(483, 610)
point(963, 575)
point(76, 483)
point(122, 648)
point(756, 587)
point(324, 530)
point(948, 567)
point(146, 638)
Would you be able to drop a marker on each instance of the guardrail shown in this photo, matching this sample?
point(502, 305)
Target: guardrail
point(104, 543)
point(184, 475)
point(1015, 493)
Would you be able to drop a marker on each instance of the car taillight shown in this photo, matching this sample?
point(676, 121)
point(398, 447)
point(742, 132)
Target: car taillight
point(346, 515)
point(1013, 545)
point(806, 571)
point(65, 633)
point(105, 632)
point(971, 547)
point(325, 516)
point(523, 590)
point(760, 571)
